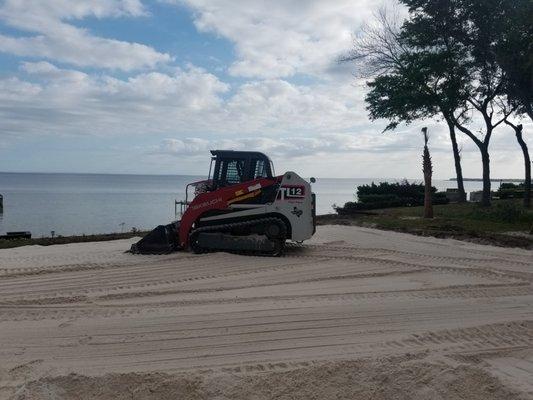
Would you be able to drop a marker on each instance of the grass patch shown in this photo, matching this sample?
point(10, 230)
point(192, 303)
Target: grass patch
point(467, 221)
point(47, 241)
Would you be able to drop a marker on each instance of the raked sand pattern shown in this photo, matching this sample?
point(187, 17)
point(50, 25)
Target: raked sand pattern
point(353, 314)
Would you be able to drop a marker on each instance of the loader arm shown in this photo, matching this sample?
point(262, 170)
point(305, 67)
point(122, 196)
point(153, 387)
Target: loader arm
point(220, 200)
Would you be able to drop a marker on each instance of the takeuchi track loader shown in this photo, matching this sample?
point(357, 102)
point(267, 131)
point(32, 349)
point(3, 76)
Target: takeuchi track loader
point(242, 207)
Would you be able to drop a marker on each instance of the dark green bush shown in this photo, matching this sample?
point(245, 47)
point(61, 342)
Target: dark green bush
point(401, 189)
point(510, 191)
point(377, 198)
point(440, 198)
point(387, 195)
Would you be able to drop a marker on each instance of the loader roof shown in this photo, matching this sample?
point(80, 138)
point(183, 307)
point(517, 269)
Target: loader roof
point(239, 154)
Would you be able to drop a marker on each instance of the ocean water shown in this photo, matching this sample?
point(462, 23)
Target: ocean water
point(71, 204)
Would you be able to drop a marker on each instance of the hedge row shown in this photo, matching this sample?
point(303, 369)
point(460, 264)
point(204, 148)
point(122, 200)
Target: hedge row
point(510, 191)
point(387, 195)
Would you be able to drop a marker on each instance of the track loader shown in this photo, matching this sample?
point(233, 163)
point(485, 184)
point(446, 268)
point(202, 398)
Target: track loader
point(242, 207)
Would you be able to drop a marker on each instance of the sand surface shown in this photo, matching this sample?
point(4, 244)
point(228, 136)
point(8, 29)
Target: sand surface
point(354, 313)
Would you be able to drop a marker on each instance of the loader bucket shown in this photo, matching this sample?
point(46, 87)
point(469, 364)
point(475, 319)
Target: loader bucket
point(163, 239)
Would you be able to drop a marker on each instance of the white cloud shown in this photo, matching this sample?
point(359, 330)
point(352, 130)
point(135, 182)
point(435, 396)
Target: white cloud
point(13, 89)
point(281, 38)
point(53, 38)
point(33, 14)
point(364, 153)
point(272, 106)
point(193, 103)
point(319, 131)
point(193, 89)
point(293, 147)
point(69, 102)
point(187, 101)
point(50, 73)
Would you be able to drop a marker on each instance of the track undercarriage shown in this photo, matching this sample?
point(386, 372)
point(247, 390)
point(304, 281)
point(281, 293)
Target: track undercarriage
point(263, 236)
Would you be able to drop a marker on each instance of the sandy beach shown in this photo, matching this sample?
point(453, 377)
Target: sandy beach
point(355, 313)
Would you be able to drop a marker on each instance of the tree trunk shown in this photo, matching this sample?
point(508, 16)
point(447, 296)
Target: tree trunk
point(428, 205)
point(527, 165)
point(485, 160)
point(457, 159)
point(427, 169)
point(484, 150)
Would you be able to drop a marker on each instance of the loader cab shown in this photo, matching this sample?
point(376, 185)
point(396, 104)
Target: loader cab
point(233, 167)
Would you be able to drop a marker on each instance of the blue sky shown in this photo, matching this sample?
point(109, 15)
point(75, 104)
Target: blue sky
point(132, 86)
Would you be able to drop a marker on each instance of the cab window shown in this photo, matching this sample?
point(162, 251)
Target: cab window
point(231, 172)
point(259, 169)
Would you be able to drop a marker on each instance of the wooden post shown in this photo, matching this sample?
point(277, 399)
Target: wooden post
point(1, 204)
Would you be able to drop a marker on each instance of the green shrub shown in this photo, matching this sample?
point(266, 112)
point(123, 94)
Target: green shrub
point(510, 191)
point(401, 189)
point(388, 195)
point(375, 199)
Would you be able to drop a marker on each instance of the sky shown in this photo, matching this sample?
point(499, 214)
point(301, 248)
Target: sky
point(132, 86)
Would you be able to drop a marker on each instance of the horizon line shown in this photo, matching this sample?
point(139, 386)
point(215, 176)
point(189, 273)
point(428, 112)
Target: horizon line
point(196, 175)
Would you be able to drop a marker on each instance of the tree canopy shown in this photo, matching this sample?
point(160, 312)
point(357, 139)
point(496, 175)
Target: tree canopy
point(461, 59)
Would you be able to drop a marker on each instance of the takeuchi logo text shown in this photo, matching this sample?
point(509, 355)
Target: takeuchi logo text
point(208, 203)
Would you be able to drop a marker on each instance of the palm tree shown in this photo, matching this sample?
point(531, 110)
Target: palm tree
point(427, 169)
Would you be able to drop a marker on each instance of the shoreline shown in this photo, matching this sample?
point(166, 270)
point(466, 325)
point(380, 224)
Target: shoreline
point(48, 241)
point(514, 240)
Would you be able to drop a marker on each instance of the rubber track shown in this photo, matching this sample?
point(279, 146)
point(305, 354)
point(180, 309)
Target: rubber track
point(230, 226)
